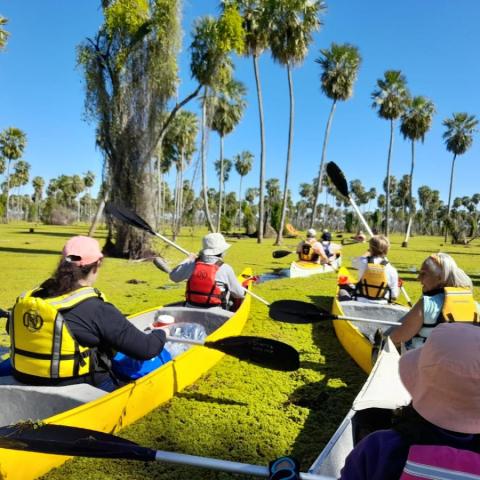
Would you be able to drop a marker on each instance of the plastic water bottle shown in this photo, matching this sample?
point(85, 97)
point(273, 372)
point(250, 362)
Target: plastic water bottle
point(192, 331)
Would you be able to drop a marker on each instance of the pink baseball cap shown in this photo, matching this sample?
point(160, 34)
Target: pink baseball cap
point(81, 251)
point(443, 377)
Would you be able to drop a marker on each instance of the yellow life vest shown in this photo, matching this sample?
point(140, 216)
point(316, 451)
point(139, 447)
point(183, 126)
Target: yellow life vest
point(307, 254)
point(374, 282)
point(458, 306)
point(41, 342)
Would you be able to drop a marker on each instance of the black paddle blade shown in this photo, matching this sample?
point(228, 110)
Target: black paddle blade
point(338, 178)
point(71, 441)
point(127, 216)
point(294, 311)
point(263, 352)
point(281, 253)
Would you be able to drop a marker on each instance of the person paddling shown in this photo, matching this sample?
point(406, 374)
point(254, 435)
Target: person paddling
point(64, 332)
point(210, 281)
point(311, 250)
point(331, 249)
point(438, 435)
point(447, 297)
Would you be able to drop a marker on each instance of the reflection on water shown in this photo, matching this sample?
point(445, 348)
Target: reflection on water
point(275, 275)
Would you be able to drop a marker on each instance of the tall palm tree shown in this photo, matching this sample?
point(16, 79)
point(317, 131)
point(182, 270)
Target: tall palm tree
point(340, 64)
point(223, 169)
point(228, 107)
point(416, 122)
point(390, 100)
point(12, 144)
point(256, 24)
point(38, 183)
point(458, 139)
point(292, 25)
point(3, 33)
point(243, 165)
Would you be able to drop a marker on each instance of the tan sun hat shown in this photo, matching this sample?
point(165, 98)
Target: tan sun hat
point(214, 244)
point(311, 233)
point(443, 377)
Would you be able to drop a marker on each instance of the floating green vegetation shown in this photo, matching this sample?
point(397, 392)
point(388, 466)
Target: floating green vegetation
point(236, 411)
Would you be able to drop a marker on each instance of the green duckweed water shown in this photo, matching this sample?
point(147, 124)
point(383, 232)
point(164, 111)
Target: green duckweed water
point(236, 411)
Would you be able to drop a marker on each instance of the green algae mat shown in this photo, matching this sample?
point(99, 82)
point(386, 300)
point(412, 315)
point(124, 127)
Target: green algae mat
point(236, 411)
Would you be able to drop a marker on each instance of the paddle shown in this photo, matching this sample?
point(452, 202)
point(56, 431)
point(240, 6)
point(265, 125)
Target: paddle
point(134, 220)
point(281, 253)
point(81, 442)
point(294, 311)
point(263, 352)
point(338, 179)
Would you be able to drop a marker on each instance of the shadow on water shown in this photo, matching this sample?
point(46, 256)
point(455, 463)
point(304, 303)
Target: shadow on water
point(329, 399)
point(277, 274)
point(200, 397)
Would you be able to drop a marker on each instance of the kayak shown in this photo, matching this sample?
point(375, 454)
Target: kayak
point(371, 410)
point(89, 407)
point(357, 337)
point(300, 268)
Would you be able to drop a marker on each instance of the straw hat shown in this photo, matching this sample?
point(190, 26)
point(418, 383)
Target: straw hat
point(214, 244)
point(443, 377)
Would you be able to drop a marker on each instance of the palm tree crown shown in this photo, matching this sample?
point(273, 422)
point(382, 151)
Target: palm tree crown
point(417, 118)
point(340, 64)
point(292, 25)
point(243, 163)
point(459, 134)
point(391, 96)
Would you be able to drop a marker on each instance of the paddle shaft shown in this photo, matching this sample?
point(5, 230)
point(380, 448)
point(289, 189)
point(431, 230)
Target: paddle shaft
point(366, 320)
point(360, 216)
point(224, 465)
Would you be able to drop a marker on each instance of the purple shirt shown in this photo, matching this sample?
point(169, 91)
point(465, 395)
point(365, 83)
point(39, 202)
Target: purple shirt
point(383, 454)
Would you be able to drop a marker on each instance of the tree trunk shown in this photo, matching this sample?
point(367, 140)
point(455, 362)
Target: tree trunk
point(175, 204)
point(261, 202)
point(98, 215)
point(220, 187)
point(180, 198)
point(450, 192)
point(204, 164)
point(289, 158)
point(240, 204)
point(410, 199)
point(7, 218)
point(387, 199)
point(318, 186)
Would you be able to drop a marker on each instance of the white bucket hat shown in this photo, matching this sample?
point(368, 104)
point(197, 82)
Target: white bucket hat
point(214, 244)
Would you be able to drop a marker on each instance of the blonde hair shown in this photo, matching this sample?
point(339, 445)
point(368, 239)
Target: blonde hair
point(379, 246)
point(445, 267)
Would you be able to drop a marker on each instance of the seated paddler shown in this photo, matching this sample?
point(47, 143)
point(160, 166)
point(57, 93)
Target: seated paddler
point(446, 297)
point(311, 250)
point(65, 331)
point(210, 281)
point(331, 249)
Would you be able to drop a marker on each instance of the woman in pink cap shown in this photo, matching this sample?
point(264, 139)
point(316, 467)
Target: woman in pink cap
point(65, 332)
point(438, 435)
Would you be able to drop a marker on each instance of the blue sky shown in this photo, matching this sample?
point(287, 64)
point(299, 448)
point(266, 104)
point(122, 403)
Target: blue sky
point(433, 42)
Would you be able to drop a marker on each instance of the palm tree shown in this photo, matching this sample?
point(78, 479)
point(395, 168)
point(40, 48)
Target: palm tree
point(416, 122)
point(340, 66)
point(228, 107)
point(458, 139)
point(292, 25)
point(256, 25)
point(223, 169)
point(12, 144)
point(390, 99)
point(89, 181)
point(243, 165)
point(3, 33)
point(38, 183)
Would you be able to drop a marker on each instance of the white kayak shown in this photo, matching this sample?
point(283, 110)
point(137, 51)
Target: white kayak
point(300, 268)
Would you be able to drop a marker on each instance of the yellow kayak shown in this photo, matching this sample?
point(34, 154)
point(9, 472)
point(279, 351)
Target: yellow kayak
point(88, 407)
point(355, 337)
point(300, 268)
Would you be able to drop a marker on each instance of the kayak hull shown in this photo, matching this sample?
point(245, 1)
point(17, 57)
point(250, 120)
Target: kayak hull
point(300, 269)
point(113, 411)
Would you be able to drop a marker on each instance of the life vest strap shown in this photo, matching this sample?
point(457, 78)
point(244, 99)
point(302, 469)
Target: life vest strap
point(45, 356)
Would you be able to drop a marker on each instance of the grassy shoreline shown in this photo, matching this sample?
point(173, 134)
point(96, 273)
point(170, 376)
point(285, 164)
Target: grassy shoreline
point(236, 411)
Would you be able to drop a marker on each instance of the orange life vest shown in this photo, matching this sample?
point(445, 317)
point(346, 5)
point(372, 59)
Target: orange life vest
point(202, 288)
